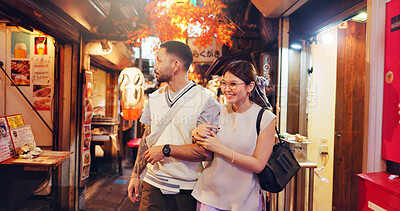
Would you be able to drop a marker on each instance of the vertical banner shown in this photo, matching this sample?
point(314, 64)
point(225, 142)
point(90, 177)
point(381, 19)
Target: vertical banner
point(87, 138)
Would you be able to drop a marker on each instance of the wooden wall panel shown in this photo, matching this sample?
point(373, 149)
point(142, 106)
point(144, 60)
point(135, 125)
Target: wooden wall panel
point(293, 92)
point(349, 115)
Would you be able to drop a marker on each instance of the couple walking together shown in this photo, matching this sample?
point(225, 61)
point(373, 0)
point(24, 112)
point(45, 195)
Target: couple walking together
point(185, 126)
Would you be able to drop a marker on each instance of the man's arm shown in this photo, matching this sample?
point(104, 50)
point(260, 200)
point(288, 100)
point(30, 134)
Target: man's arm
point(140, 162)
point(190, 152)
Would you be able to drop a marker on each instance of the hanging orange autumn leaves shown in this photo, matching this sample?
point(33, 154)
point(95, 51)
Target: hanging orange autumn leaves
point(172, 21)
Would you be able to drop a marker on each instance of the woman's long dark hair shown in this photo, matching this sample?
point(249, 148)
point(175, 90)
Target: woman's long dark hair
point(246, 72)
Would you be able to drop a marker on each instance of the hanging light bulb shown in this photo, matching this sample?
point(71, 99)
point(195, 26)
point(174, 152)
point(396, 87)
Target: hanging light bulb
point(296, 45)
point(327, 38)
point(106, 48)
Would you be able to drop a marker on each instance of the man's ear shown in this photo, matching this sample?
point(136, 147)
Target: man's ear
point(176, 65)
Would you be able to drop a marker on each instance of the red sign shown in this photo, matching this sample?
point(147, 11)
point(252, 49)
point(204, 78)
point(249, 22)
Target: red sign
point(391, 98)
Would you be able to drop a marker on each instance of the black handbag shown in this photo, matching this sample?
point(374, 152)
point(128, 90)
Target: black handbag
point(281, 166)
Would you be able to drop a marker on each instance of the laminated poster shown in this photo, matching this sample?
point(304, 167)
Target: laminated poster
point(40, 45)
point(20, 45)
point(88, 111)
point(14, 121)
point(89, 84)
point(87, 137)
point(85, 164)
point(22, 136)
point(6, 148)
point(41, 73)
point(21, 72)
point(42, 96)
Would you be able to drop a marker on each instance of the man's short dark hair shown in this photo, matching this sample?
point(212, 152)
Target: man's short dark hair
point(179, 49)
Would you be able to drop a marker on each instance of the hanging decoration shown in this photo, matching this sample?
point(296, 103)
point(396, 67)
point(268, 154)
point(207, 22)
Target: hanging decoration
point(172, 20)
point(131, 81)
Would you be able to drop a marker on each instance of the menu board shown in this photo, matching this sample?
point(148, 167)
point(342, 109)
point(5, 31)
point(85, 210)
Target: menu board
point(86, 135)
point(85, 163)
point(22, 136)
point(14, 121)
point(6, 148)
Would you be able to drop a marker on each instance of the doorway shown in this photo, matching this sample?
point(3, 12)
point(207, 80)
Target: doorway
point(335, 114)
point(349, 114)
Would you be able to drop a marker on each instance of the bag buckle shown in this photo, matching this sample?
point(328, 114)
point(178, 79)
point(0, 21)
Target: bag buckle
point(285, 162)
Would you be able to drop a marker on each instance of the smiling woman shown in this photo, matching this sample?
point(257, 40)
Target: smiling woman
point(238, 152)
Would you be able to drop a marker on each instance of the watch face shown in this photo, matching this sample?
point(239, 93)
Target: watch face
point(166, 150)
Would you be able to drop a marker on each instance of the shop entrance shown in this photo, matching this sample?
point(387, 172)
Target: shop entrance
point(349, 114)
point(336, 100)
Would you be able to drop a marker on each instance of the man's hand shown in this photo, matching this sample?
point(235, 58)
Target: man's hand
point(133, 189)
point(154, 154)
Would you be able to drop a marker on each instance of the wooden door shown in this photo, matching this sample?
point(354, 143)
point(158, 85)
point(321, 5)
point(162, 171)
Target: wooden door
point(349, 115)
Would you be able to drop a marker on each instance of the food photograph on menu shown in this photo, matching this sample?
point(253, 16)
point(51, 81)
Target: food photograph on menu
point(85, 163)
point(41, 90)
point(42, 97)
point(86, 143)
point(88, 111)
point(20, 72)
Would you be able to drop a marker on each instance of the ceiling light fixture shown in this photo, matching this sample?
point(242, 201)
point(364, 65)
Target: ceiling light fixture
point(361, 17)
point(327, 38)
point(296, 45)
point(106, 48)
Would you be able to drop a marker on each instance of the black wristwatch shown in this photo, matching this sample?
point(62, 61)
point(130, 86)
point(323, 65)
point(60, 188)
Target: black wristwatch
point(166, 150)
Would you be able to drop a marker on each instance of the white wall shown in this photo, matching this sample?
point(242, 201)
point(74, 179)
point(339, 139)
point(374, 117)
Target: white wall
point(99, 87)
point(283, 74)
point(375, 51)
point(321, 119)
point(2, 75)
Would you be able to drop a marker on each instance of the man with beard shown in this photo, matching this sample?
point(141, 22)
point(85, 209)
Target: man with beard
point(172, 159)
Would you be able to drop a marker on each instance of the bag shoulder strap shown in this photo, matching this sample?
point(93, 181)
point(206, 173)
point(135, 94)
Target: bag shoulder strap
point(259, 117)
point(279, 136)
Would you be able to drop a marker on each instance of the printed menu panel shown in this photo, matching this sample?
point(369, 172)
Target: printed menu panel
point(22, 136)
point(85, 163)
point(14, 121)
point(6, 148)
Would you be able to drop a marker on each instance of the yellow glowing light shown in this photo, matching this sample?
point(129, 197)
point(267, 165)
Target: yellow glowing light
point(191, 68)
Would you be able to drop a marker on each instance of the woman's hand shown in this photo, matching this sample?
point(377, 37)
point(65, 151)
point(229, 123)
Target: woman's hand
point(203, 130)
point(211, 143)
